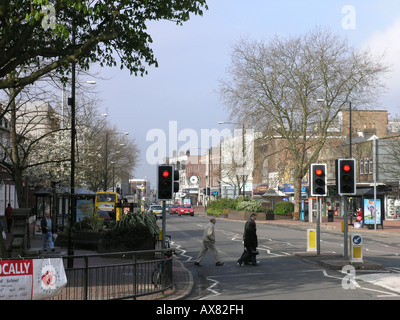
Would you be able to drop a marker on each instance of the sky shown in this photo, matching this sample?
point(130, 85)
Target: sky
point(181, 98)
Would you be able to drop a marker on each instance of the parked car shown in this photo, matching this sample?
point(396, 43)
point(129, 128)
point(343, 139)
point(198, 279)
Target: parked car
point(156, 210)
point(186, 209)
point(174, 208)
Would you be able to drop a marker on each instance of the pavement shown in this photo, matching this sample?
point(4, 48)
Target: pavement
point(183, 278)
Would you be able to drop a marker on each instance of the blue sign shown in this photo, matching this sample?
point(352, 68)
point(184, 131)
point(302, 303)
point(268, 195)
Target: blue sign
point(357, 239)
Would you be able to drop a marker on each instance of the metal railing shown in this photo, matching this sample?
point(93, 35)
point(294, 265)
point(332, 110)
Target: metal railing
point(117, 275)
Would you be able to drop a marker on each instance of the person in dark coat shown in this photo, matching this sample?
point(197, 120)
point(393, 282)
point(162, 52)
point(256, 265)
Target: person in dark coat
point(250, 242)
point(9, 217)
point(48, 229)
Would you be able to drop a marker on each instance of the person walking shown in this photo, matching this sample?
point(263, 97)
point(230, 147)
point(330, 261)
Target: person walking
point(250, 242)
point(47, 231)
point(9, 217)
point(209, 244)
point(360, 217)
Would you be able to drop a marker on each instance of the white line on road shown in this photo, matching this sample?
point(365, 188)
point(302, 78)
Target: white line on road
point(210, 288)
point(178, 247)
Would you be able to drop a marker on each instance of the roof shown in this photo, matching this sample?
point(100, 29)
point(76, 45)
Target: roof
point(64, 191)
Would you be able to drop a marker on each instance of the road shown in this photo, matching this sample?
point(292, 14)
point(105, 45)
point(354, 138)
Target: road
point(281, 273)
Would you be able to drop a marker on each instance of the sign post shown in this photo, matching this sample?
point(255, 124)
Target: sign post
point(356, 244)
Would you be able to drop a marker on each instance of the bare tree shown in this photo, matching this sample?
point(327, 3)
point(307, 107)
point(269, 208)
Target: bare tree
point(275, 87)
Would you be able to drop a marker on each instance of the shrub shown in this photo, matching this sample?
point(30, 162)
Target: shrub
point(131, 230)
point(91, 223)
point(283, 207)
point(216, 207)
point(126, 236)
point(249, 205)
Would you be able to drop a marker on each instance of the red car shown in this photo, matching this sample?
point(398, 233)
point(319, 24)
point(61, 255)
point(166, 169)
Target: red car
point(186, 209)
point(174, 209)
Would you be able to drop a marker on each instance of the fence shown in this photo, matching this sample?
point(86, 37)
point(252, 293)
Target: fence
point(117, 275)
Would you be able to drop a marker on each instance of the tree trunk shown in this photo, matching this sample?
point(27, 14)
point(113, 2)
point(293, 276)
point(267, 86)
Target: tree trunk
point(297, 196)
point(16, 171)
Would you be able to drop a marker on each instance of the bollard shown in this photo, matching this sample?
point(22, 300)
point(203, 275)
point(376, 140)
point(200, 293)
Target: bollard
point(356, 244)
point(343, 226)
point(311, 240)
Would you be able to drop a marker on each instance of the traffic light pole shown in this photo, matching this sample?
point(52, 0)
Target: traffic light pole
point(345, 226)
point(163, 227)
point(318, 227)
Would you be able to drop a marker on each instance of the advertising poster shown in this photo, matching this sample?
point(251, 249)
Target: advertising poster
point(31, 279)
point(83, 209)
point(370, 210)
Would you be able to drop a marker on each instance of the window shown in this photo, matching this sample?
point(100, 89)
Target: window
point(366, 165)
point(371, 165)
point(361, 166)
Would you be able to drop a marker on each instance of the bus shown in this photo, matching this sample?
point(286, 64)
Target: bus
point(107, 201)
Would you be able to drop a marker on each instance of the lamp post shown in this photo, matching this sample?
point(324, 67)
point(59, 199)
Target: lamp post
point(106, 156)
point(243, 151)
point(350, 135)
point(71, 102)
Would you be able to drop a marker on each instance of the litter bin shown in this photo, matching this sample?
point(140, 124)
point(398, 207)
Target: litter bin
point(330, 215)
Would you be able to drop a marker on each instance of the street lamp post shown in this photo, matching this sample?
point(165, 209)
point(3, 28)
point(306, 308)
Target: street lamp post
point(243, 152)
point(106, 157)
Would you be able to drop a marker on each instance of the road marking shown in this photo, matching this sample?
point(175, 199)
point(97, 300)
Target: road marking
point(178, 247)
point(210, 288)
point(388, 281)
point(374, 279)
point(269, 251)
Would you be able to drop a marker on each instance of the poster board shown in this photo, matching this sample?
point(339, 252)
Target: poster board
point(31, 279)
point(370, 210)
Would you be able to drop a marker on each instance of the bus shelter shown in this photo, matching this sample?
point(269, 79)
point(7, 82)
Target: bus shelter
point(84, 202)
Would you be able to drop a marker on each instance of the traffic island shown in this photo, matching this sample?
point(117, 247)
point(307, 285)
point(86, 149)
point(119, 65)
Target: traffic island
point(336, 261)
point(338, 264)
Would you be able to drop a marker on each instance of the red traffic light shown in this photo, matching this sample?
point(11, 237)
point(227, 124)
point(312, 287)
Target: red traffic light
point(346, 168)
point(319, 172)
point(165, 174)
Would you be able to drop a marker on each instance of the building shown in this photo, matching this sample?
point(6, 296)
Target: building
point(376, 149)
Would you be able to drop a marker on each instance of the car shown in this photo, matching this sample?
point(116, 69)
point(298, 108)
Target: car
point(186, 209)
point(156, 210)
point(167, 207)
point(174, 208)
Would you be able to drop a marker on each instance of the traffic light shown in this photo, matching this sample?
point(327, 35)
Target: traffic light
point(318, 185)
point(176, 180)
point(346, 177)
point(165, 179)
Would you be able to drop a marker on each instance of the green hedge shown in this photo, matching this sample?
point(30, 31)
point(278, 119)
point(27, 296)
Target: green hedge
point(217, 207)
point(283, 207)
